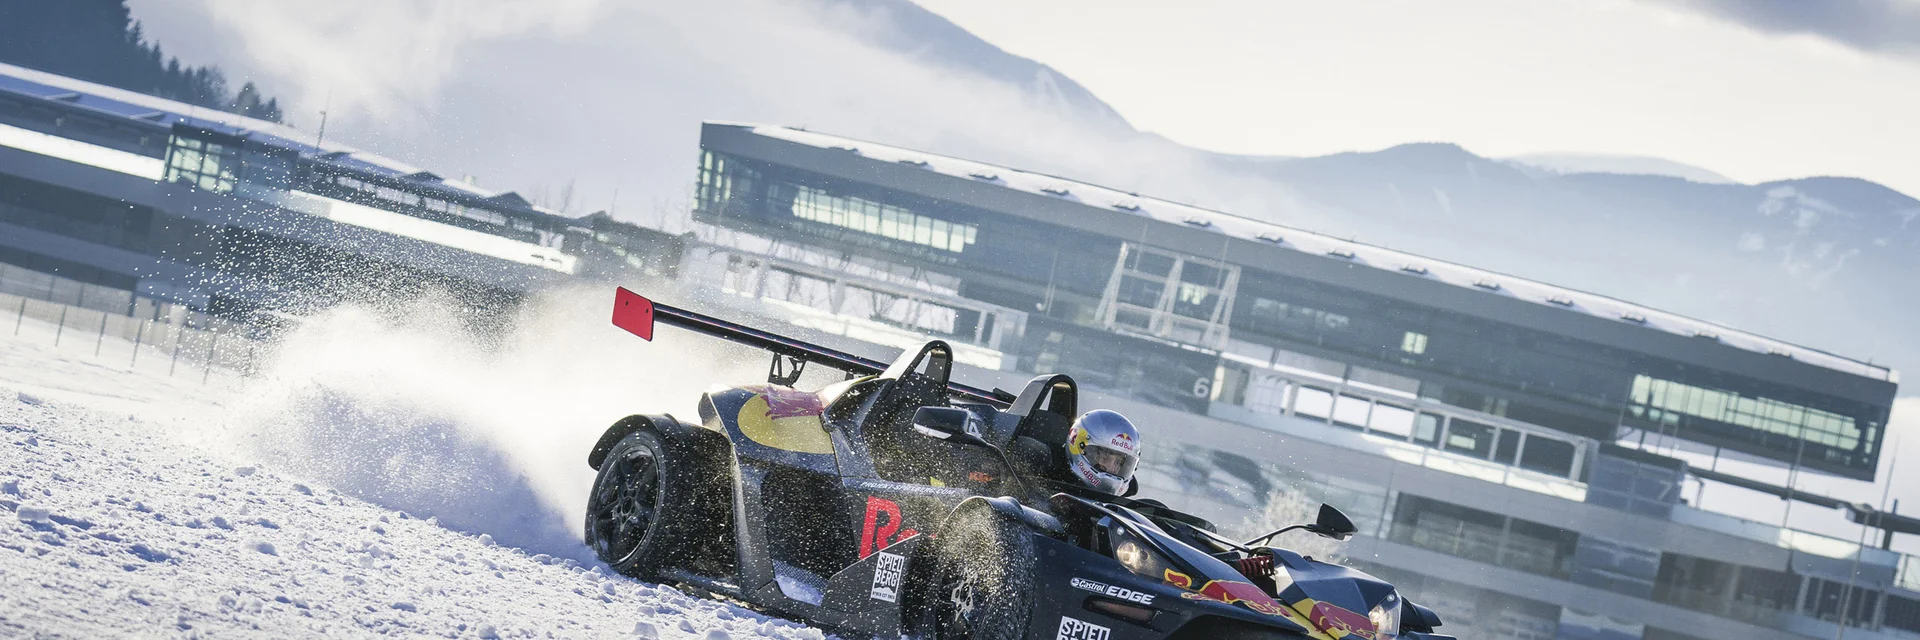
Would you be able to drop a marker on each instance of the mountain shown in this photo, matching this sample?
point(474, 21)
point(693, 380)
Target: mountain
point(909, 29)
point(1564, 163)
point(1813, 260)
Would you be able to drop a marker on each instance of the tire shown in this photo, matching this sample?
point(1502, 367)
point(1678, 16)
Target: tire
point(982, 585)
point(648, 500)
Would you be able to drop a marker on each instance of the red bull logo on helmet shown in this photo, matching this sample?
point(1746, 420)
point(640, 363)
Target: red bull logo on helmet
point(1077, 440)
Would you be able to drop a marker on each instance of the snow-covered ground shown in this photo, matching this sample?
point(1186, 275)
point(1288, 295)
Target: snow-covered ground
point(376, 478)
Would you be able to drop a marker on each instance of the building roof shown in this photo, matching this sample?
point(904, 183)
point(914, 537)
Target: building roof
point(153, 110)
point(1285, 238)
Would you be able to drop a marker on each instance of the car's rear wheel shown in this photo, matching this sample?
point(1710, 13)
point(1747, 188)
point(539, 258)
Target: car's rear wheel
point(983, 581)
point(643, 501)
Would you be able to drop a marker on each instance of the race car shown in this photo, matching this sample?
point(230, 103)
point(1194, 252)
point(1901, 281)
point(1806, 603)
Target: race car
point(886, 506)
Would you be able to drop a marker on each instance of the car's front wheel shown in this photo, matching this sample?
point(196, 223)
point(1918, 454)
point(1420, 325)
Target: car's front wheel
point(643, 500)
point(983, 579)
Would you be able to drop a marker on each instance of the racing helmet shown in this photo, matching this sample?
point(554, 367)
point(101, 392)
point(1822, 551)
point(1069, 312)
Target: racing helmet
point(1102, 450)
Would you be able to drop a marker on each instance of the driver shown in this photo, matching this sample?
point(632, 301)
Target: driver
point(1100, 453)
point(1103, 447)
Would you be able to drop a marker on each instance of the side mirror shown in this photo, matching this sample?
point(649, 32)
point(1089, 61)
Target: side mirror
point(1418, 618)
point(1333, 524)
point(947, 423)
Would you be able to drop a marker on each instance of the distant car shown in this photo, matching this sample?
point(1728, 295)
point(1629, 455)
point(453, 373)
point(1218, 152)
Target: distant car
point(869, 507)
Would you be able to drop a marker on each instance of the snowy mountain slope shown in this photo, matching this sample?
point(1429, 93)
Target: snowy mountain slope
point(1808, 260)
point(1565, 163)
point(112, 530)
point(910, 29)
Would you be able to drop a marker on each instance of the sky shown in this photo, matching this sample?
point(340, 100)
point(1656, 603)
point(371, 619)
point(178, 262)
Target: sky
point(1754, 89)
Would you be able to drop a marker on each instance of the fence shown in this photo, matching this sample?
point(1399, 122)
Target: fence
point(176, 344)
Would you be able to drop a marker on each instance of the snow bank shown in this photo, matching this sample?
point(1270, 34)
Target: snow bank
point(110, 528)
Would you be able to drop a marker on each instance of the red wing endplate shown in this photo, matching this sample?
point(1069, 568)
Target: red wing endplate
point(633, 312)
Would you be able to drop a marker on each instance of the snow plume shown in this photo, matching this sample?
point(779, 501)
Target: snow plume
point(408, 409)
point(383, 56)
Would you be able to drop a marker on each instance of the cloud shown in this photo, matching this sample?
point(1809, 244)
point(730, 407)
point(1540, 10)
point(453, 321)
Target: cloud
point(609, 95)
point(1872, 26)
point(381, 56)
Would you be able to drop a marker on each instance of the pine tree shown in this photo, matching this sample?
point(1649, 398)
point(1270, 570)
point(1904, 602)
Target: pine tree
point(98, 40)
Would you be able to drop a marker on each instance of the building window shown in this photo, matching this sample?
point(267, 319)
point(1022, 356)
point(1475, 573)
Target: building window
point(883, 220)
point(1902, 614)
point(1483, 536)
point(1173, 296)
point(716, 184)
point(1470, 438)
point(1281, 318)
point(208, 166)
point(1547, 455)
point(1667, 402)
point(1414, 343)
point(1835, 601)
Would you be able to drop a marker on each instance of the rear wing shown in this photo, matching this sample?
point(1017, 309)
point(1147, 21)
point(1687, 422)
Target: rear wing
point(637, 315)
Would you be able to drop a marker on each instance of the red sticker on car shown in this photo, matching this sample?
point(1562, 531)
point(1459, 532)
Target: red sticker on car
point(882, 526)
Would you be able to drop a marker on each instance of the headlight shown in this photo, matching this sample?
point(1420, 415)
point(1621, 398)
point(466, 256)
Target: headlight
point(1386, 617)
point(1135, 554)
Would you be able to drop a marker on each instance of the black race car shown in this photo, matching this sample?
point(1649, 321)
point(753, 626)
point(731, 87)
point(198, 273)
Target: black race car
point(886, 506)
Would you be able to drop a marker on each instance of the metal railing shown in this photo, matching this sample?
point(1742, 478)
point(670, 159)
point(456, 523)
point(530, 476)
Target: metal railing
point(187, 344)
point(1425, 424)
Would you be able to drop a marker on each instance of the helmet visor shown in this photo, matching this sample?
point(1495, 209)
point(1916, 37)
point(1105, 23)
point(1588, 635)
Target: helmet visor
point(1112, 462)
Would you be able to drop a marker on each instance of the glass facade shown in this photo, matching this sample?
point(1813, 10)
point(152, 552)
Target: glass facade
point(1344, 398)
point(105, 221)
point(886, 221)
point(1680, 405)
point(1554, 380)
point(1169, 295)
point(204, 164)
point(423, 203)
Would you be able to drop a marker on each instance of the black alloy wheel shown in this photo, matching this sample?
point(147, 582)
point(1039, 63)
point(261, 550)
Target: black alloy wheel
point(623, 510)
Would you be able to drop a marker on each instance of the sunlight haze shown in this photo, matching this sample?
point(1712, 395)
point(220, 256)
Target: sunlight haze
point(1500, 77)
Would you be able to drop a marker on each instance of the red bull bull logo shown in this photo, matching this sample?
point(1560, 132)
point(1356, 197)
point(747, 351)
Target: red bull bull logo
point(1338, 622)
point(788, 403)
point(1229, 591)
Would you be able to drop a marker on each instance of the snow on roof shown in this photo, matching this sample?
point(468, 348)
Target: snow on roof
point(1407, 264)
point(140, 106)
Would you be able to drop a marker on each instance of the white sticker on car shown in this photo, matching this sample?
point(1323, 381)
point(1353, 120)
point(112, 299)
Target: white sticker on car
point(1104, 589)
point(1075, 629)
point(887, 571)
